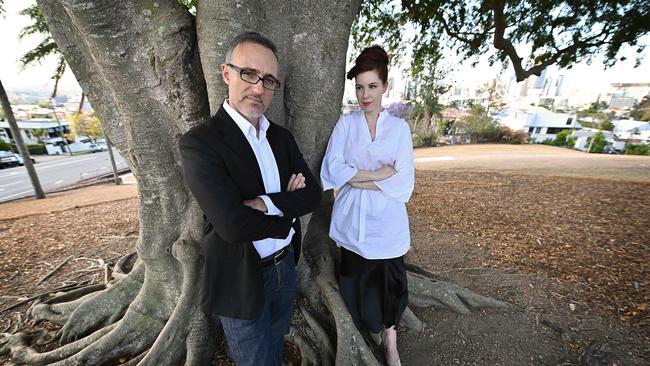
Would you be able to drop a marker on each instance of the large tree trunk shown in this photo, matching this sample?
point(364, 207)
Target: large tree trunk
point(140, 66)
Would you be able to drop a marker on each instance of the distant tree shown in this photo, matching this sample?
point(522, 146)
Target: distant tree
point(560, 33)
point(85, 125)
point(596, 107)
point(44, 104)
point(46, 47)
point(598, 144)
point(607, 125)
point(641, 111)
point(40, 133)
point(477, 124)
point(427, 106)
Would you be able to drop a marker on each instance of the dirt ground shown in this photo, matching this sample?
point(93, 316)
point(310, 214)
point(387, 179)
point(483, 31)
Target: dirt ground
point(561, 235)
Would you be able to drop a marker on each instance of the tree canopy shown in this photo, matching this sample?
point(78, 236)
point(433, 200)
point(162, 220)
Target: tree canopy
point(560, 33)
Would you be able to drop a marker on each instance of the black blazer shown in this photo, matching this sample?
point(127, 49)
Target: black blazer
point(221, 170)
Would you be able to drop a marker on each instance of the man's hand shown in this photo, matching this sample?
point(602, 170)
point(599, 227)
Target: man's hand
point(257, 204)
point(296, 181)
point(384, 172)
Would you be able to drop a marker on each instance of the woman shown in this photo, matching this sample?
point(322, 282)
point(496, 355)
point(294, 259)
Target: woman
point(369, 159)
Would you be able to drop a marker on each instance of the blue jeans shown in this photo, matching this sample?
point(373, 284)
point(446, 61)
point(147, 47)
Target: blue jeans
point(260, 341)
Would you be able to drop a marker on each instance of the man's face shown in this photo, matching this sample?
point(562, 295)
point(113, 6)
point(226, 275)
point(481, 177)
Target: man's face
point(250, 100)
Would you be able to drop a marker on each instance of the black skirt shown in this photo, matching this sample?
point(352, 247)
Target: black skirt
point(375, 291)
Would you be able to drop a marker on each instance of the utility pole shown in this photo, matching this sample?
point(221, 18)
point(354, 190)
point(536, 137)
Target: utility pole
point(18, 138)
point(116, 178)
point(58, 121)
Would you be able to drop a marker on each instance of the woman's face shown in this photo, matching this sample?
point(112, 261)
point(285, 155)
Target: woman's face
point(370, 90)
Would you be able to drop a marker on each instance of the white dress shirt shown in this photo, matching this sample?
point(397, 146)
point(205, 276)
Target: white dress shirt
point(270, 174)
point(373, 224)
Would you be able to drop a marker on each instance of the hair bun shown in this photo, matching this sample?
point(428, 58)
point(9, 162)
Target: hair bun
point(372, 54)
point(371, 58)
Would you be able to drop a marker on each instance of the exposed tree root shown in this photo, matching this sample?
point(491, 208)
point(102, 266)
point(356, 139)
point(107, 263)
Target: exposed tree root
point(17, 345)
point(119, 271)
point(135, 360)
point(425, 291)
point(103, 308)
point(319, 337)
point(201, 341)
point(307, 352)
point(75, 294)
point(411, 321)
point(56, 313)
point(169, 348)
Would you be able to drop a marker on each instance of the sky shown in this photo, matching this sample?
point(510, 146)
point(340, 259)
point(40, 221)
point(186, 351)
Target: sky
point(39, 76)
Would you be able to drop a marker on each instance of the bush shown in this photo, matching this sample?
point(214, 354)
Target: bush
point(637, 149)
point(507, 135)
point(423, 139)
point(4, 146)
point(37, 149)
point(562, 138)
point(599, 143)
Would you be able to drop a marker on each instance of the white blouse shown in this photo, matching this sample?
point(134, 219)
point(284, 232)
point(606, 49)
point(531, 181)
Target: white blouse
point(373, 224)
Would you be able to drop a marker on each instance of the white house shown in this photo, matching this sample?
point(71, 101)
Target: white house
point(540, 123)
point(28, 129)
point(630, 131)
point(625, 131)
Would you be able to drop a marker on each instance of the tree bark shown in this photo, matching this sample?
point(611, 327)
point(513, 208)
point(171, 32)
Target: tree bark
point(140, 66)
point(20, 144)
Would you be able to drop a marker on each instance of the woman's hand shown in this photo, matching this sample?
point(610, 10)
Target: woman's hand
point(365, 185)
point(384, 172)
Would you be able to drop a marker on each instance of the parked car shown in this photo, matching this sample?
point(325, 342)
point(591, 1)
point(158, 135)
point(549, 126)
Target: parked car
point(98, 147)
point(8, 160)
point(21, 161)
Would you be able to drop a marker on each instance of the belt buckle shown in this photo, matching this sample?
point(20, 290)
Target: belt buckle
point(277, 255)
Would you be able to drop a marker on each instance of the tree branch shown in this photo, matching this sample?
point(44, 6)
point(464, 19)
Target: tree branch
point(504, 45)
point(452, 33)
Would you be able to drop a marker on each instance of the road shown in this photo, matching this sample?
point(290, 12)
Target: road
point(56, 174)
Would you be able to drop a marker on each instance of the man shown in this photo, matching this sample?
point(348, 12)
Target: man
point(252, 184)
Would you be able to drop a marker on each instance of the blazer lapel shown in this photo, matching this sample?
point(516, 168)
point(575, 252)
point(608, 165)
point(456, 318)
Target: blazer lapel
point(235, 139)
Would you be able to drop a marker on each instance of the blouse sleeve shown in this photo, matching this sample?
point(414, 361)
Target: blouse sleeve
point(335, 171)
point(400, 185)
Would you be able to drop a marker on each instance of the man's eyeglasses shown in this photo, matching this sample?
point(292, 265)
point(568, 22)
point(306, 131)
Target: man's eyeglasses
point(251, 76)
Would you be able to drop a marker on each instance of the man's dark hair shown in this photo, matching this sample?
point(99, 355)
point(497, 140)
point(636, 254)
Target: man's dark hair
point(252, 37)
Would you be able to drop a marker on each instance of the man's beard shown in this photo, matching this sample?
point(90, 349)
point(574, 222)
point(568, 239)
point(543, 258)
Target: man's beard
point(249, 111)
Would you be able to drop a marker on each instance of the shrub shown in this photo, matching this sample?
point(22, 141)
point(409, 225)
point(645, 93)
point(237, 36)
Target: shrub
point(637, 149)
point(562, 138)
point(599, 143)
point(37, 149)
point(507, 135)
point(423, 139)
point(4, 146)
